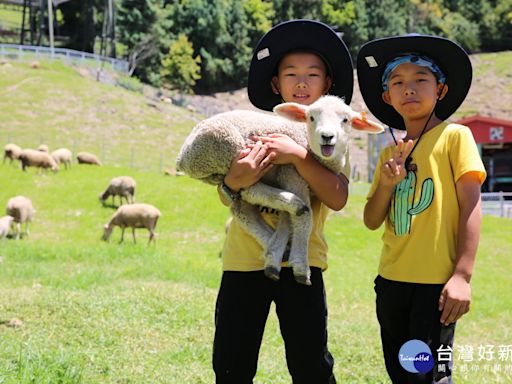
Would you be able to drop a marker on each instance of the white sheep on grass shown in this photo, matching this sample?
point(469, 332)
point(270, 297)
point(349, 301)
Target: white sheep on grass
point(62, 156)
point(208, 151)
point(11, 152)
point(122, 186)
point(133, 216)
point(22, 210)
point(5, 226)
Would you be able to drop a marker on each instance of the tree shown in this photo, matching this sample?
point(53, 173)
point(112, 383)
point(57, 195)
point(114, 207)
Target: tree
point(180, 69)
point(456, 27)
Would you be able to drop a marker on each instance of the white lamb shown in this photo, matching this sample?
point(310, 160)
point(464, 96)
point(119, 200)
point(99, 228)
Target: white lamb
point(133, 216)
point(11, 152)
point(208, 151)
point(41, 160)
point(5, 226)
point(62, 156)
point(122, 186)
point(22, 210)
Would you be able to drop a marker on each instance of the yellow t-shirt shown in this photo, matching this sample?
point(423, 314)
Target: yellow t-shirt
point(421, 227)
point(243, 253)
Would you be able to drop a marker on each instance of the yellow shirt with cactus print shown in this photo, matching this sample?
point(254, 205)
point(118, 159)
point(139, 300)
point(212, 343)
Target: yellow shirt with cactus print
point(420, 235)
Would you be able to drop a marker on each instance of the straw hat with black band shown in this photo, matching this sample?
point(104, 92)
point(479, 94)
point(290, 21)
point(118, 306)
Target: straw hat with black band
point(448, 55)
point(298, 35)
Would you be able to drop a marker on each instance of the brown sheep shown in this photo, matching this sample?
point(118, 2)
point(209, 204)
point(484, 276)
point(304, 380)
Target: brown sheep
point(87, 158)
point(41, 160)
point(133, 216)
point(122, 186)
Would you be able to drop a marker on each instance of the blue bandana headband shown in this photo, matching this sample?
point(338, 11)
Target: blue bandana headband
point(422, 61)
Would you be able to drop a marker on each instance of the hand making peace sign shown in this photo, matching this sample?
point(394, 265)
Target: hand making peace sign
point(393, 171)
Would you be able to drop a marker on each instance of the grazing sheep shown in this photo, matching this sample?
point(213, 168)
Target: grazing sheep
point(22, 210)
point(87, 158)
point(133, 216)
point(122, 186)
point(62, 156)
point(209, 149)
point(5, 225)
point(43, 148)
point(41, 160)
point(11, 152)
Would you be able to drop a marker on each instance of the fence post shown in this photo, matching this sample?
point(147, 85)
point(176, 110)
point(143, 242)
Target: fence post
point(502, 204)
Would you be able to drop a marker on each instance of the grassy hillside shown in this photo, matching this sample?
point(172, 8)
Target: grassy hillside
point(63, 106)
point(96, 312)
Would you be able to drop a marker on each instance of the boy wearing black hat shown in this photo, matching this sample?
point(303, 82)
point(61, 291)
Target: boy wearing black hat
point(426, 190)
point(296, 61)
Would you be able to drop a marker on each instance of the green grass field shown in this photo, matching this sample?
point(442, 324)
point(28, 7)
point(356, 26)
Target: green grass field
point(63, 106)
point(96, 312)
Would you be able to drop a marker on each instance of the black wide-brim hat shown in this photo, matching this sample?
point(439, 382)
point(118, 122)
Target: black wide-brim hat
point(448, 55)
point(298, 35)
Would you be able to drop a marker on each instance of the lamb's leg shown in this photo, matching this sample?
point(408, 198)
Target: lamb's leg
point(277, 246)
point(301, 231)
point(301, 226)
point(279, 199)
point(122, 234)
point(250, 219)
point(133, 234)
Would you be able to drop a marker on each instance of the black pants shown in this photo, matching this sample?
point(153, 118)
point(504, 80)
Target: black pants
point(409, 311)
point(242, 308)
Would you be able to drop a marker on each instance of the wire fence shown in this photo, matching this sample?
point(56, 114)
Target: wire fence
point(20, 52)
point(146, 157)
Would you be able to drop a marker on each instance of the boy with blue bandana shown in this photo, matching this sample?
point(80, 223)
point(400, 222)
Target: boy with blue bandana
point(426, 190)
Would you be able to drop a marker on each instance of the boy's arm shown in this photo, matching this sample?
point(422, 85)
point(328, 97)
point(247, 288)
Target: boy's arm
point(330, 188)
point(456, 295)
point(377, 206)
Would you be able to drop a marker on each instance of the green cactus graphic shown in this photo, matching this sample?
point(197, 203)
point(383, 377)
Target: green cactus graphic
point(403, 206)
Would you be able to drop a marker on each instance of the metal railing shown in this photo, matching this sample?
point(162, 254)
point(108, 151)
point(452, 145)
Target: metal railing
point(497, 204)
point(15, 51)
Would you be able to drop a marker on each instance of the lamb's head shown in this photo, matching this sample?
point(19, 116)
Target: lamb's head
point(329, 122)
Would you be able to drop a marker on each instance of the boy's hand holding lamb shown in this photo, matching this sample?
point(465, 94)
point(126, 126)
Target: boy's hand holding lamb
point(251, 164)
point(285, 149)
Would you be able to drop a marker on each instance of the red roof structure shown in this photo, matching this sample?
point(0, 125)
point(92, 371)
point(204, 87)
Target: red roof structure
point(487, 130)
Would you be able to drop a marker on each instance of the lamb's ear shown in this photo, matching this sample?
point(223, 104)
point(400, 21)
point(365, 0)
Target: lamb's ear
point(292, 111)
point(361, 123)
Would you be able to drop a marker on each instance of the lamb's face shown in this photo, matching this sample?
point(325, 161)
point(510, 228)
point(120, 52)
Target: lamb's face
point(328, 132)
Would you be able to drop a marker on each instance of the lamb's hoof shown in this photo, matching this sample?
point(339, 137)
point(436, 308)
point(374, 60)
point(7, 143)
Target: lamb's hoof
point(272, 273)
point(302, 210)
point(302, 279)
